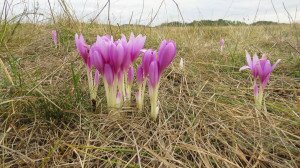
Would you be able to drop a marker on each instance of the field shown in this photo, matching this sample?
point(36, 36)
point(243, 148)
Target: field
point(207, 116)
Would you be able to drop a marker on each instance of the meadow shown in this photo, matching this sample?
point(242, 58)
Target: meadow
point(207, 116)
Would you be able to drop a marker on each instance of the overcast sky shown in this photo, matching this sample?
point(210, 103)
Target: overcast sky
point(122, 10)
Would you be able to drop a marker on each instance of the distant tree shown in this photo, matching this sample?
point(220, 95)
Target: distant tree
point(264, 23)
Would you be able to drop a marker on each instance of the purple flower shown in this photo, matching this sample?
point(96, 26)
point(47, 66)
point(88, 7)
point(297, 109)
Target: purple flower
point(104, 47)
point(83, 50)
point(97, 60)
point(222, 42)
point(126, 60)
point(135, 44)
point(166, 54)
point(54, 37)
point(260, 68)
point(148, 57)
point(117, 56)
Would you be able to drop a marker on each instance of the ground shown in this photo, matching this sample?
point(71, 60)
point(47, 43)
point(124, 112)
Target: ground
point(207, 116)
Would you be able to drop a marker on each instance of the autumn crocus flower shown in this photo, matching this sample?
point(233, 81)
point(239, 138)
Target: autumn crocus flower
point(166, 54)
point(109, 87)
point(106, 58)
point(135, 44)
point(84, 51)
point(132, 49)
point(54, 37)
point(261, 70)
point(142, 74)
point(148, 57)
point(222, 42)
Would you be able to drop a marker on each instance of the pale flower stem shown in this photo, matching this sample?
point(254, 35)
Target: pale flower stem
point(114, 92)
point(122, 88)
point(112, 97)
point(259, 98)
point(125, 84)
point(153, 99)
point(128, 92)
point(107, 93)
point(139, 100)
point(90, 81)
point(143, 91)
point(94, 91)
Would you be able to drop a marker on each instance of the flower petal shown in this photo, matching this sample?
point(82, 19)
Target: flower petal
point(244, 67)
point(153, 74)
point(108, 74)
point(249, 60)
point(276, 63)
point(148, 57)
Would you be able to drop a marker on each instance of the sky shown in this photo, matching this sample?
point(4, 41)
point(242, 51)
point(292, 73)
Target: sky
point(143, 11)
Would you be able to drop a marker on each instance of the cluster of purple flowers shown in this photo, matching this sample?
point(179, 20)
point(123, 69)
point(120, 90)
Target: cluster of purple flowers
point(114, 61)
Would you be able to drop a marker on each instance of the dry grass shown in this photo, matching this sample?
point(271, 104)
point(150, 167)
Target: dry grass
point(207, 118)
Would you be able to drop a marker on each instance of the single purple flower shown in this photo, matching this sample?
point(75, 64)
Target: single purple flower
point(166, 54)
point(222, 42)
point(148, 57)
point(104, 44)
point(126, 60)
point(97, 60)
point(54, 37)
point(135, 44)
point(260, 68)
point(117, 56)
point(83, 50)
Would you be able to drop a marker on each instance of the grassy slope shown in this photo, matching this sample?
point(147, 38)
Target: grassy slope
point(206, 118)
